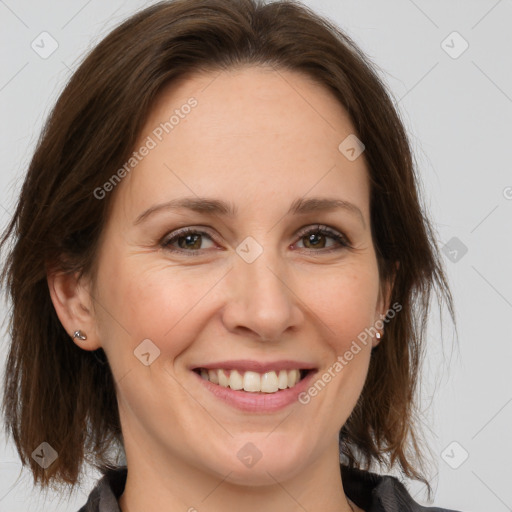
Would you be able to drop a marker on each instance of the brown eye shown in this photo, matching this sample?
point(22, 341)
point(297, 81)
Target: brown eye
point(188, 240)
point(315, 238)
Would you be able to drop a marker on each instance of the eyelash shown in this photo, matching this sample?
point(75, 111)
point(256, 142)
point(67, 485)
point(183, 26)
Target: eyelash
point(318, 229)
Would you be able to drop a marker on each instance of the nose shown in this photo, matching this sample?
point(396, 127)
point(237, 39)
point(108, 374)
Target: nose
point(261, 303)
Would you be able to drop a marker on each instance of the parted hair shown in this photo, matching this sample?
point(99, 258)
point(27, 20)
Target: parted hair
point(57, 393)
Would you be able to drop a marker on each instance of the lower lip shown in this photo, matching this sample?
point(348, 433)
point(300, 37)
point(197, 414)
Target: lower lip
point(258, 402)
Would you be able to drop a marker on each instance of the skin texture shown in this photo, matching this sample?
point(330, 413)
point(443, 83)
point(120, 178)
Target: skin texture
point(259, 138)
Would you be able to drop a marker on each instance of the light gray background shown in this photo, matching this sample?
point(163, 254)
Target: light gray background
point(458, 112)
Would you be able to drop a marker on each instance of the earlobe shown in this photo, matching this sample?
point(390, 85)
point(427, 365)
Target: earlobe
point(73, 304)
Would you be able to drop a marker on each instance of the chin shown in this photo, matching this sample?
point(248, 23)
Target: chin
point(261, 460)
point(261, 474)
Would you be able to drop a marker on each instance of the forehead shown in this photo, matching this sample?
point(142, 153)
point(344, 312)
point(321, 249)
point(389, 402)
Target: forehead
point(254, 134)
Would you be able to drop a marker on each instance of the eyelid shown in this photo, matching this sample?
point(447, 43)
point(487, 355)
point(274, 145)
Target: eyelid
point(342, 239)
point(185, 231)
point(324, 229)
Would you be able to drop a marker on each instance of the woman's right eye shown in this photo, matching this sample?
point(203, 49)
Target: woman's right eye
point(187, 239)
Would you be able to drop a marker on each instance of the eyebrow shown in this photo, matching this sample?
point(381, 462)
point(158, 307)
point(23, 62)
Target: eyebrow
point(211, 206)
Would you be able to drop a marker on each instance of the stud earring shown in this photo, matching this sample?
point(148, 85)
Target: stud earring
point(78, 334)
point(378, 335)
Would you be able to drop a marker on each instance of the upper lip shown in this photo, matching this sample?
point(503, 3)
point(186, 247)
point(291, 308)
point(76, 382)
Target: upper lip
point(244, 365)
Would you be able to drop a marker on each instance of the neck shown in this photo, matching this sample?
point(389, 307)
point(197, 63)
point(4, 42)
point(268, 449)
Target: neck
point(169, 483)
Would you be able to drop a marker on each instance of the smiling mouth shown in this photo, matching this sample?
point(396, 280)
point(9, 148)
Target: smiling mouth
point(254, 382)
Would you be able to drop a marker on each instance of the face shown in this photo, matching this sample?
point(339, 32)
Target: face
point(276, 286)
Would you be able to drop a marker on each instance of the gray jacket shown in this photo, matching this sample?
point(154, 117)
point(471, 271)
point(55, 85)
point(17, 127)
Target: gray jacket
point(370, 491)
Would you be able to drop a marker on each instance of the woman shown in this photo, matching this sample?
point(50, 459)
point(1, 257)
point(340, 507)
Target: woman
point(222, 271)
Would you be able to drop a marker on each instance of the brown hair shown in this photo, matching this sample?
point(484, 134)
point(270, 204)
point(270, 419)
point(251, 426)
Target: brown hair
point(56, 392)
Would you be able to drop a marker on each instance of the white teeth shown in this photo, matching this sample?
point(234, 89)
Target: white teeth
point(223, 379)
point(235, 380)
point(269, 382)
point(293, 377)
point(212, 374)
point(283, 379)
point(252, 381)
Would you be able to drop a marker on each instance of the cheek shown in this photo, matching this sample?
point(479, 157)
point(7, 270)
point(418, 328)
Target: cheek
point(161, 302)
point(347, 303)
point(150, 301)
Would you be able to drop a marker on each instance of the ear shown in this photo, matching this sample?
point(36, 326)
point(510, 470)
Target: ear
point(73, 304)
point(384, 302)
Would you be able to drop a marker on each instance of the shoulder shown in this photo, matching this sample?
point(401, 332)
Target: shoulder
point(380, 493)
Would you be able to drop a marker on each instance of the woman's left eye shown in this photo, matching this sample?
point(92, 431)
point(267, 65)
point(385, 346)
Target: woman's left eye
point(189, 240)
point(319, 233)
